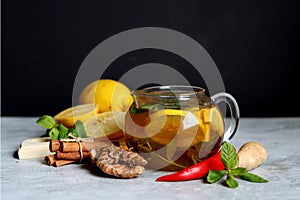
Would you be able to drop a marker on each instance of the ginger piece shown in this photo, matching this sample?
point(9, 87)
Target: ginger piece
point(118, 162)
point(251, 155)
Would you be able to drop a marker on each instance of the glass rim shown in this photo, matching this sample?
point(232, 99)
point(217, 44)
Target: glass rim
point(177, 91)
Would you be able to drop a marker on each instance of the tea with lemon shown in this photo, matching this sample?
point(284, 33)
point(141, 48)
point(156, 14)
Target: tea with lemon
point(173, 138)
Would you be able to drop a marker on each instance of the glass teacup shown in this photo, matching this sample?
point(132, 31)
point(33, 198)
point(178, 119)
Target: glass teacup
point(174, 127)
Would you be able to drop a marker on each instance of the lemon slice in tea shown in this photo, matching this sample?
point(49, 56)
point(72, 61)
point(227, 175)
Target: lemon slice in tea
point(165, 124)
point(214, 118)
point(82, 112)
point(108, 124)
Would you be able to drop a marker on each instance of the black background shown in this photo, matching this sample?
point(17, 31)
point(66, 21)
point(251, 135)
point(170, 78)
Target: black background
point(255, 45)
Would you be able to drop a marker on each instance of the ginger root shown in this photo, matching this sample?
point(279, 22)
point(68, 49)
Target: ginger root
point(251, 155)
point(118, 162)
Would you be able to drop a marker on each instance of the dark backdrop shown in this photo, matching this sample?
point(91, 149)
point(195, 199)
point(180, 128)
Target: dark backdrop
point(255, 45)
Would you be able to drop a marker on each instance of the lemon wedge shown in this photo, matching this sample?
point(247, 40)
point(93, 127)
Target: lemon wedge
point(214, 118)
point(189, 127)
point(164, 124)
point(186, 127)
point(82, 112)
point(108, 124)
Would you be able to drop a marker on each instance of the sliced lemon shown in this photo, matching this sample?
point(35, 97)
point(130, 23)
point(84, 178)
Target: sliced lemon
point(108, 124)
point(168, 120)
point(214, 118)
point(186, 127)
point(82, 112)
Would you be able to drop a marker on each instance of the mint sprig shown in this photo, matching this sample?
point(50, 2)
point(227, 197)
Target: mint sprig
point(228, 156)
point(59, 131)
point(144, 108)
point(46, 121)
point(229, 159)
point(78, 130)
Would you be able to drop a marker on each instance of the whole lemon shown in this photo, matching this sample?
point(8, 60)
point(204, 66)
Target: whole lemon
point(109, 94)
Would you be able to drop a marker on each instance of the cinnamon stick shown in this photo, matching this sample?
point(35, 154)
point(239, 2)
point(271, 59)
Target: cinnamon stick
point(54, 145)
point(59, 163)
point(73, 146)
point(62, 146)
point(52, 161)
point(72, 155)
point(69, 151)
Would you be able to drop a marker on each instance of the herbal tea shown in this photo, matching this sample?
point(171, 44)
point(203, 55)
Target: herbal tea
point(172, 139)
point(174, 127)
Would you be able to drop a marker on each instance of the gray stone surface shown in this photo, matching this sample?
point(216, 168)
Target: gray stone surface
point(33, 179)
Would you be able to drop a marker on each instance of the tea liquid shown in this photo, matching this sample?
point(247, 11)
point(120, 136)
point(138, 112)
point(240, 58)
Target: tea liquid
point(173, 139)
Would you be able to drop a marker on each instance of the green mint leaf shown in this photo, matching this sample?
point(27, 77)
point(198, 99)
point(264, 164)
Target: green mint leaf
point(63, 131)
point(228, 156)
point(172, 107)
point(215, 175)
point(231, 182)
point(53, 133)
point(146, 107)
point(74, 132)
point(152, 107)
point(253, 178)
point(46, 121)
point(238, 171)
point(136, 110)
point(79, 127)
point(173, 102)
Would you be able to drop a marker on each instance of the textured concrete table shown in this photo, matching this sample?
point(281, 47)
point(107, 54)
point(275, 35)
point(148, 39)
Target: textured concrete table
point(33, 179)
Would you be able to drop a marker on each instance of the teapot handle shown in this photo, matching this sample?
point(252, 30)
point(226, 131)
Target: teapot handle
point(234, 113)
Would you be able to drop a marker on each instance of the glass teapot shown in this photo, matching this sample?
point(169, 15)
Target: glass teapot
point(174, 127)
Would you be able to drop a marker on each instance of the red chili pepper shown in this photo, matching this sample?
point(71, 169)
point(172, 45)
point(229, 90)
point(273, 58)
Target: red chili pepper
point(196, 171)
